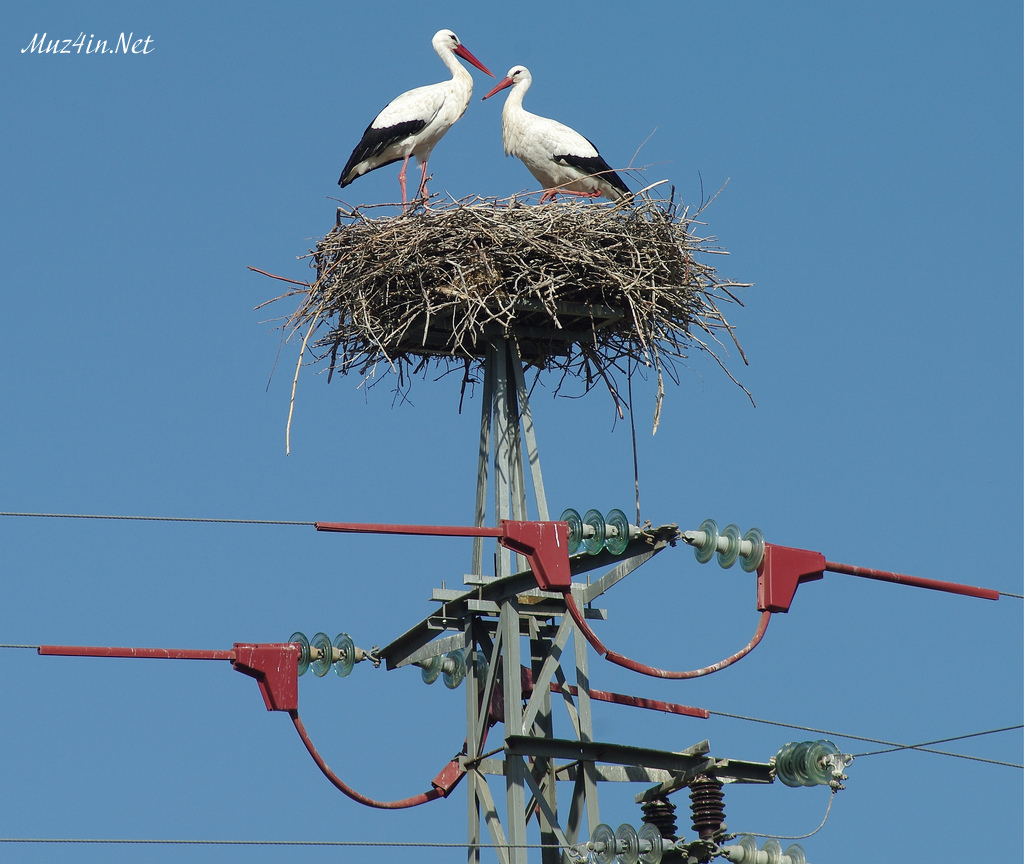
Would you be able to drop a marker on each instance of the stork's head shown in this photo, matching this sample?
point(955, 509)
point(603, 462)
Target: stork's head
point(517, 76)
point(446, 40)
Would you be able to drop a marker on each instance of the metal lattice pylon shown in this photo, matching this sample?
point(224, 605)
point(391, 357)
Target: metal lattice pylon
point(506, 425)
point(492, 616)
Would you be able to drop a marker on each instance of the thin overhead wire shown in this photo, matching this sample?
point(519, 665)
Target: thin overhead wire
point(896, 749)
point(890, 744)
point(342, 843)
point(158, 518)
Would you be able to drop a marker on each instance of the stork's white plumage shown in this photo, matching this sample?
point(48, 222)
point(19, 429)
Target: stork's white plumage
point(411, 124)
point(561, 159)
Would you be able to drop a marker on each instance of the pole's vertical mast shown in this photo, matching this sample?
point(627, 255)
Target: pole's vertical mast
point(508, 437)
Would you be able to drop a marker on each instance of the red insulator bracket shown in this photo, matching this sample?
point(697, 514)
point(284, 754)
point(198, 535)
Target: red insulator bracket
point(275, 667)
point(448, 777)
point(781, 571)
point(546, 547)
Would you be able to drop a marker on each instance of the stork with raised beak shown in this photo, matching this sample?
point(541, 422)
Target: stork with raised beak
point(411, 124)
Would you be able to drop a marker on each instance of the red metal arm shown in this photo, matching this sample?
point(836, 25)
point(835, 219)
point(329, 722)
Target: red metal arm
point(274, 665)
point(146, 653)
point(917, 581)
point(545, 544)
point(635, 701)
point(784, 569)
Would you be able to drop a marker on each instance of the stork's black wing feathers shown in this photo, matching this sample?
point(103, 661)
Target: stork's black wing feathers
point(594, 165)
point(375, 140)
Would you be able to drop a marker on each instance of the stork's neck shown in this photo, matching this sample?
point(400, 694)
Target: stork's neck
point(514, 100)
point(459, 72)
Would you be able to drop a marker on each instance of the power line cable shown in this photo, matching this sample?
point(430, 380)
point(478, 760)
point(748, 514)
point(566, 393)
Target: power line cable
point(891, 744)
point(343, 843)
point(159, 518)
point(896, 749)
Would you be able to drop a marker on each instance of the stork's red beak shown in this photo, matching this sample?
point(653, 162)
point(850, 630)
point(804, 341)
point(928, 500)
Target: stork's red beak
point(465, 54)
point(501, 85)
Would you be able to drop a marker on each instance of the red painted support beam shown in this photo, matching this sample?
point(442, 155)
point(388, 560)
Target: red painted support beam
point(784, 569)
point(145, 653)
point(545, 544)
point(916, 581)
point(637, 702)
point(274, 665)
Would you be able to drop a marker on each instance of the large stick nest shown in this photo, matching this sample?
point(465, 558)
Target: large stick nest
point(591, 292)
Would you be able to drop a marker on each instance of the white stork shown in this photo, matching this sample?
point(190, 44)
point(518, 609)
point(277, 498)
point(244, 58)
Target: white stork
point(411, 124)
point(560, 158)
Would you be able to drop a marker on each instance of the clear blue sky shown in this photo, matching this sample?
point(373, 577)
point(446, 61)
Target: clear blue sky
point(873, 153)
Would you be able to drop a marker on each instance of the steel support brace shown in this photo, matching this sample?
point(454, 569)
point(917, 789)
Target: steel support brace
point(515, 767)
point(542, 799)
point(516, 476)
point(589, 785)
point(502, 454)
point(487, 405)
point(541, 697)
point(498, 837)
point(473, 738)
point(541, 724)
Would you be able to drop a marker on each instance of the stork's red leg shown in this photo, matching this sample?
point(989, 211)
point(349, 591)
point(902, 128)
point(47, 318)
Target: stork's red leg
point(423, 181)
point(401, 179)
